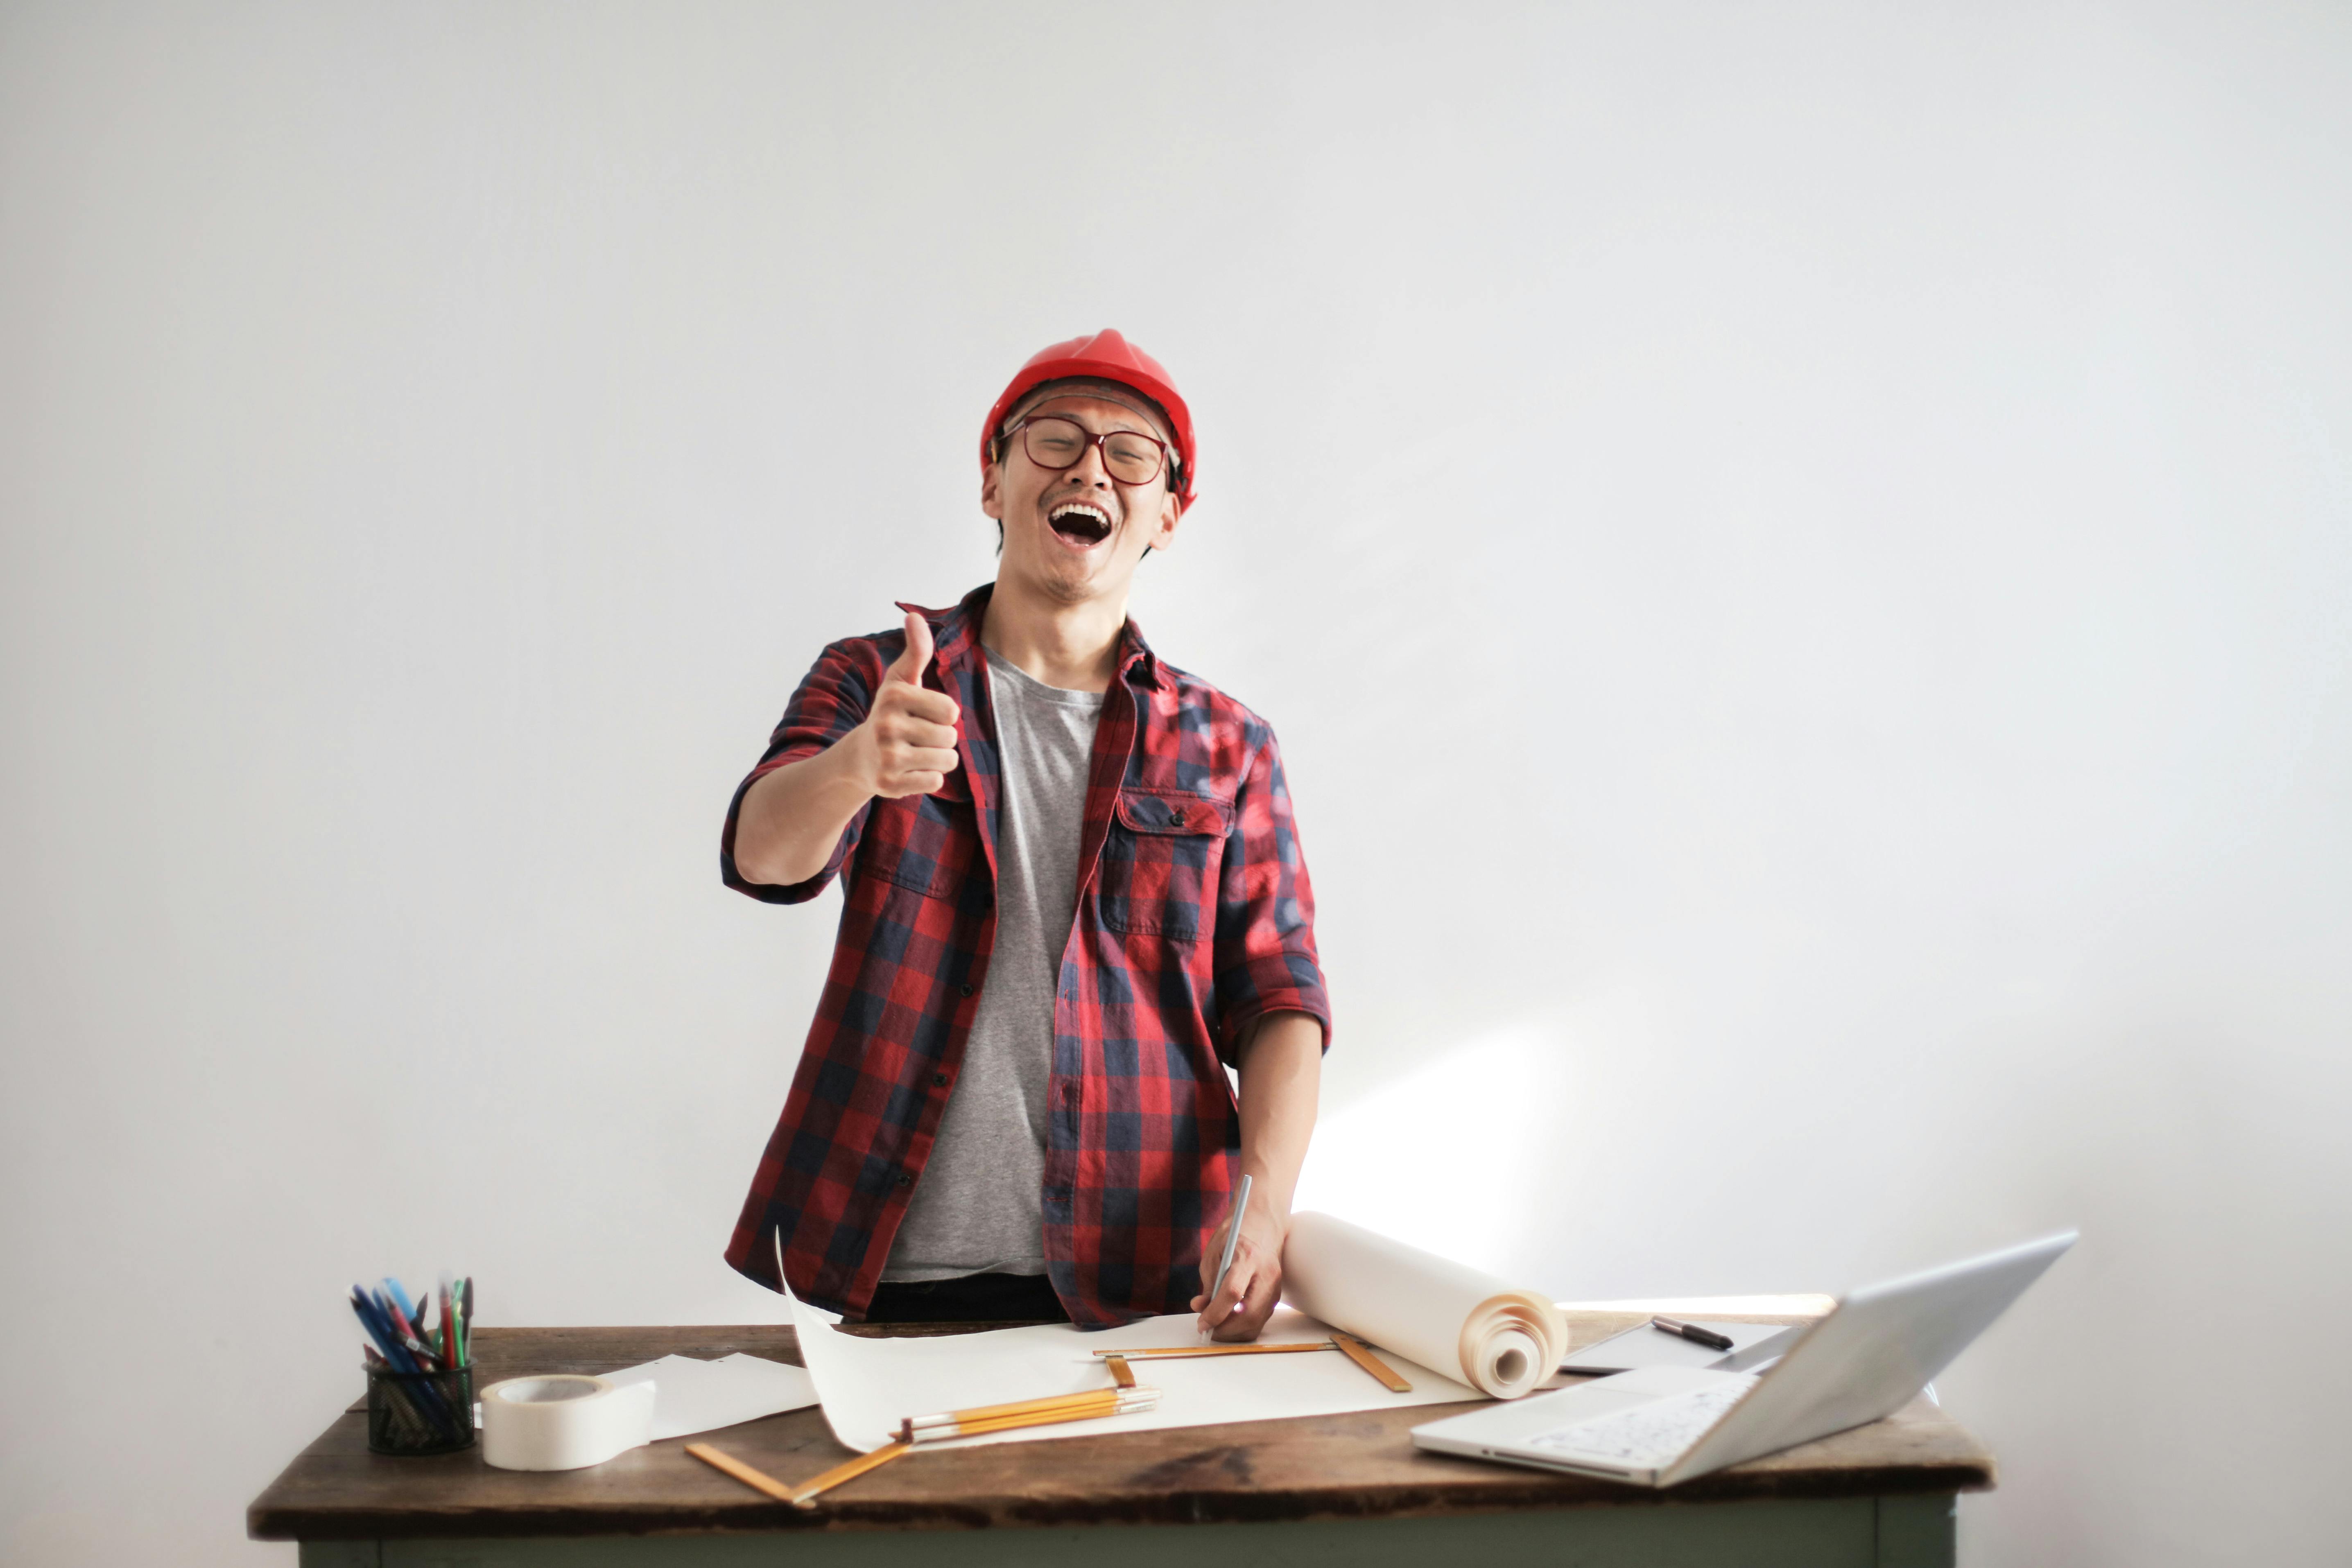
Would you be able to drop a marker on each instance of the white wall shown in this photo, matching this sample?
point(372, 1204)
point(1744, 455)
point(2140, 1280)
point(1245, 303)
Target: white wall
point(1799, 556)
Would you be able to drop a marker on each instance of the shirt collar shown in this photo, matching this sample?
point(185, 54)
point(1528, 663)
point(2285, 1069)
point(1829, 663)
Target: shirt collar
point(955, 635)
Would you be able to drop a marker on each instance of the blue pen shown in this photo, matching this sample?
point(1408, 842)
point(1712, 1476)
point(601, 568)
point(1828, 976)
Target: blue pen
point(381, 1332)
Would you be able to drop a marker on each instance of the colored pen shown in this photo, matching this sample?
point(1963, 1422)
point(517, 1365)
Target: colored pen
point(1693, 1333)
point(450, 1348)
point(381, 1332)
point(393, 1344)
point(400, 1299)
point(394, 1315)
point(420, 1339)
point(410, 1335)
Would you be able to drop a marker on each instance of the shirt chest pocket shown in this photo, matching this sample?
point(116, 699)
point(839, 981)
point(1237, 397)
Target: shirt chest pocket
point(923, 843)
point(1157, 876)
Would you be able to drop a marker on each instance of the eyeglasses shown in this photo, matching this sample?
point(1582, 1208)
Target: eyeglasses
point(1128, 456)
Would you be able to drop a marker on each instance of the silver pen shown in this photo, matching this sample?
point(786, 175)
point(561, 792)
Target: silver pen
point(1232, 1235)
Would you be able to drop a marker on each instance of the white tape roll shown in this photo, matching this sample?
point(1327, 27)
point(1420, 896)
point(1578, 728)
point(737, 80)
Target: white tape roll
point(563, 1421)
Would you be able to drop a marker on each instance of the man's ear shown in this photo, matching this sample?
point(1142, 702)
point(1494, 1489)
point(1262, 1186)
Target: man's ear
point(1171, 512)
point(989, 505)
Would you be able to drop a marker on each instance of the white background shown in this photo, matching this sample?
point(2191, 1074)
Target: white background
point(1799, 554)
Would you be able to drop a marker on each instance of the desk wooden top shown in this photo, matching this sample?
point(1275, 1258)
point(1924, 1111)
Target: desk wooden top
point(1358, 1466)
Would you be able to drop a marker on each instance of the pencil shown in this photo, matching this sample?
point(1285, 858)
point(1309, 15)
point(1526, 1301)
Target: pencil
point(1112, 1402)
point(758, 1480)
point(964, 1423)
point(1020, 1407)
point(1359, 1353)
point(805, 1494)
point(1181, 1352)
point(1028, 1412)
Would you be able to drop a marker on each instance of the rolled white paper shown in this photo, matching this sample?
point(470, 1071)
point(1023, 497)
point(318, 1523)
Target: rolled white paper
point(563, 1421)
point(1451, 1318)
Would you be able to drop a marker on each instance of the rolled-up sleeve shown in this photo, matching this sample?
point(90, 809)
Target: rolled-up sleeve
point(832, 700)
point(1266, 957)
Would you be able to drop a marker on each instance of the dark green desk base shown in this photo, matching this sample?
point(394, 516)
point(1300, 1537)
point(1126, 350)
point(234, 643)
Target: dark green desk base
point(1842, 1533)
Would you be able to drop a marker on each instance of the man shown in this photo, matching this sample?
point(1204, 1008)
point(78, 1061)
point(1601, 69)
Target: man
point(1074, 896)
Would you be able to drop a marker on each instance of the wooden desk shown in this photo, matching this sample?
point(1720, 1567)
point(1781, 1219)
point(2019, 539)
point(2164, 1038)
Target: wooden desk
point(1338, 1489)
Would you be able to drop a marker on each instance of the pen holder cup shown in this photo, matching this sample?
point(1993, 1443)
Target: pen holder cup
point(420, 1412)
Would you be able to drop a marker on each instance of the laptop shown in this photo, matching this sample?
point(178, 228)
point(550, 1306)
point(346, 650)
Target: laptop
point(1656, 1426)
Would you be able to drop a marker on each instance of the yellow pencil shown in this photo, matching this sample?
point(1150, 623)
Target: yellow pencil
point(806, 1493)
point(971, 1422)
point(1184, 1352)
point(1018, 1407)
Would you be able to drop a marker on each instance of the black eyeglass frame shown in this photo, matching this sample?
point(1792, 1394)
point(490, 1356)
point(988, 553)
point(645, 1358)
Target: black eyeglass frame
point(1170, 461)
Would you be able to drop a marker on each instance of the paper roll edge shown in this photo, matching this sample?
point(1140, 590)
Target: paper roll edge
point(1538, 1318)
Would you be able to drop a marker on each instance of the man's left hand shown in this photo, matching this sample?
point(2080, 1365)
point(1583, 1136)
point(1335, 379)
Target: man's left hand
point(1253, 1285)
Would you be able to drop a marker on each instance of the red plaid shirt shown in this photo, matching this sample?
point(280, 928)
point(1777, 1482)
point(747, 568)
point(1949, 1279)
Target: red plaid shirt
point(1194, 919)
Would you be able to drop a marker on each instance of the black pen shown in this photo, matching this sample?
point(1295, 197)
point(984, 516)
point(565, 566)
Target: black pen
point(1693, 1333)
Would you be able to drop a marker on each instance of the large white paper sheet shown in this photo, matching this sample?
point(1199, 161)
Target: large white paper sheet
point(869, 1386)
point(692, 1396)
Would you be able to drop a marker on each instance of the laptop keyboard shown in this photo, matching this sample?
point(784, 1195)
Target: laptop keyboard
point(1647, 1435)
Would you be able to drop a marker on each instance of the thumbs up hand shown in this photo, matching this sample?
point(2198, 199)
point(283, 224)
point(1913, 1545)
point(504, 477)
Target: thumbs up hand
point(907, 744)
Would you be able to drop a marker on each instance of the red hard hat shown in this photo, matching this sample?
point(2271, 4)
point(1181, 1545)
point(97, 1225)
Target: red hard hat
point(1108, 357)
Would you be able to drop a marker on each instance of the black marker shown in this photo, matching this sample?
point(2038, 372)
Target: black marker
point(1693, 1333)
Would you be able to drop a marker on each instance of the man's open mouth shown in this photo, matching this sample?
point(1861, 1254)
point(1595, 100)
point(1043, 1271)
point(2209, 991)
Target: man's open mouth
point(1080, 523)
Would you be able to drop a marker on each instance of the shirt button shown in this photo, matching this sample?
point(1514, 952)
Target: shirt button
point(939, 1080)
point(906, 1180)
point(1175, 817)
point(964, 990)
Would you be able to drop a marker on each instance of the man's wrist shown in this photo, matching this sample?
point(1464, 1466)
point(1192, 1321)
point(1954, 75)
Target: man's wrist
point(1272, 1188)
point(851, 768)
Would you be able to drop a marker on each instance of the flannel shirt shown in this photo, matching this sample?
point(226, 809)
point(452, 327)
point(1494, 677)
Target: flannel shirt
point(1194, 919)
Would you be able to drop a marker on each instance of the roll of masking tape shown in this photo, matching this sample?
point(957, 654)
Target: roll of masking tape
point(563, 1421)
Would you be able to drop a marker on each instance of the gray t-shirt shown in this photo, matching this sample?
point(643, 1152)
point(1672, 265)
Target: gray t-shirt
point(978, 1208)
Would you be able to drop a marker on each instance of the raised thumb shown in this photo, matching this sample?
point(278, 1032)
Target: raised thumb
point(910, 664)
